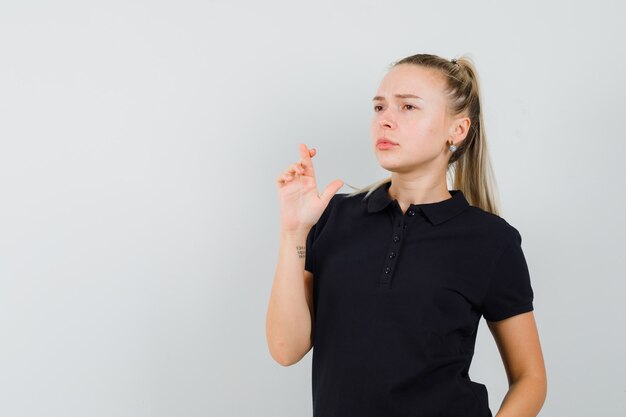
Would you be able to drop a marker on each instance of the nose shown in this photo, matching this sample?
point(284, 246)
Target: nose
point(386, 120)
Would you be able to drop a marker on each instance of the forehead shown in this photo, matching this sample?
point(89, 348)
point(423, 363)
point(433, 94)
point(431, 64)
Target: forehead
point(412, 79)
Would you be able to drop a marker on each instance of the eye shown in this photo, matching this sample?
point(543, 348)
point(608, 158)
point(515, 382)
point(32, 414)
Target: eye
point(406, 105)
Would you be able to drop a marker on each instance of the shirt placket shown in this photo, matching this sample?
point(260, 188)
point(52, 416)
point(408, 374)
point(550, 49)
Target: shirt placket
point(400, 229)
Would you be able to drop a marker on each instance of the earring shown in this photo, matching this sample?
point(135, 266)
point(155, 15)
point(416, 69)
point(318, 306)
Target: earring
point(452, 148)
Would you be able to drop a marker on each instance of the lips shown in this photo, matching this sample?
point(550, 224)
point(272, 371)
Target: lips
point(384, 140)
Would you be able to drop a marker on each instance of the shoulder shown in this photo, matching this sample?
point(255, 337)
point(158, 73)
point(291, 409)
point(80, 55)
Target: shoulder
point(340, 209)
point(493, 226)
point(347, 206)
point(331, 210)
point(341, 202)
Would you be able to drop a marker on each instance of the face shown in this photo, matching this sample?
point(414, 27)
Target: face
point(420, 126)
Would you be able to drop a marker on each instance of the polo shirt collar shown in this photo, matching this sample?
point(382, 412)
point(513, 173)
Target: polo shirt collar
point(436, 213)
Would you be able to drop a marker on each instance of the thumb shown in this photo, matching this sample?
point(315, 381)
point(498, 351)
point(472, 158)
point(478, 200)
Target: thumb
point(330, 190)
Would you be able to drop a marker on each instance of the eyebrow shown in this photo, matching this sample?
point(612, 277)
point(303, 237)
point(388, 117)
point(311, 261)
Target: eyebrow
point(381, 98)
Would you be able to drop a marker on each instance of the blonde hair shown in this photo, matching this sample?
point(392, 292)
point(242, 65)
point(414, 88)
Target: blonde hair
point(469, 165)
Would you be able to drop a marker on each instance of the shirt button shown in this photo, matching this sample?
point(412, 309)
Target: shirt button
point(391, 255)
point(387, 270)
point(396, 238)
point(405, 226)
point(411, 213)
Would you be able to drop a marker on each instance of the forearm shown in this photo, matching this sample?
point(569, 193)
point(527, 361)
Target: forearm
point(524, 398)
point(288, 321)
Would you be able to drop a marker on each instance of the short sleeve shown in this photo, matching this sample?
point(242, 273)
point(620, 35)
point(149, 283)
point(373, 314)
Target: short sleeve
point(317, 231)
point(308, 260)
point(510, 291)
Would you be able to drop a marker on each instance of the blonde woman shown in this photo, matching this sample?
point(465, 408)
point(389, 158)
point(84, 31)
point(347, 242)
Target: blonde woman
point(388, 284)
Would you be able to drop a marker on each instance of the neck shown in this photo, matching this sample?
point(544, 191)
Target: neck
point(420, 190)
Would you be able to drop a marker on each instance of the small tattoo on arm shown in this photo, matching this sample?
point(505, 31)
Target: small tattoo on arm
point(301, 251)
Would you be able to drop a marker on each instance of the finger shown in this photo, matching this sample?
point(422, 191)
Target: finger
point(284, 177)
point(290, 170)
point(330, 190)
point(304, 151)
point(296, 168)
point(307, 162)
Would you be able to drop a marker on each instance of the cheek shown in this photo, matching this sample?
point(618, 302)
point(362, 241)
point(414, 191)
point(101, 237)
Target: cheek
point(422, 133)
point(427, 126)
point(423, 139)
point(428, 133)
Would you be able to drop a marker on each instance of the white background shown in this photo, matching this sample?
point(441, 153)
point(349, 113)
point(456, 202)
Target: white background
point(139, 146)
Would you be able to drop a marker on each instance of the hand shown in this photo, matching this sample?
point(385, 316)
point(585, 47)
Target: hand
point(300, 204)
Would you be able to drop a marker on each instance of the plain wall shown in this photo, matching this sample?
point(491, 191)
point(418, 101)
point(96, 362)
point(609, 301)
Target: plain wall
point(139, 147)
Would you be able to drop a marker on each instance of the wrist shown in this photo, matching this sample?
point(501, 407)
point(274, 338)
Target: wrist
point(299, 233)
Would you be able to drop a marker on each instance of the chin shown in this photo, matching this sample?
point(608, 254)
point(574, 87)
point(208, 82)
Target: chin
point(389, 165)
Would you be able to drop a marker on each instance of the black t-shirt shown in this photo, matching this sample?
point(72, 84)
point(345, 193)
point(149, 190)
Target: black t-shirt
point(397, 301)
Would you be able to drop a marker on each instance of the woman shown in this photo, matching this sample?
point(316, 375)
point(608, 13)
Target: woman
point(389, 283)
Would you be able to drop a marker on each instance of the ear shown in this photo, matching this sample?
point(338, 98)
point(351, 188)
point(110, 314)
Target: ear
point(460, 128)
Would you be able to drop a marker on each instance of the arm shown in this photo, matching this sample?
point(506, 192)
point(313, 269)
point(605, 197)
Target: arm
point(289, 314)
point(518, 342)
